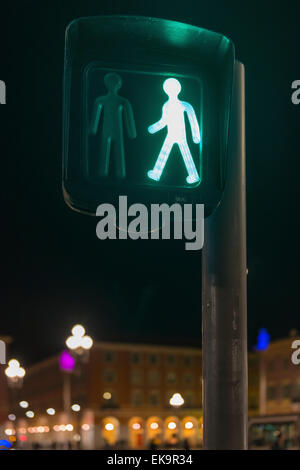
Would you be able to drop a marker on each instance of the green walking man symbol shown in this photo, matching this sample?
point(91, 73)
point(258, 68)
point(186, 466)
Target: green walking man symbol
point(173, 117)
point(114, 110)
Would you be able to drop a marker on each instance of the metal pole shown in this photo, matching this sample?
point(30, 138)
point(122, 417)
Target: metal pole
point(67, 392)
point(224, 311)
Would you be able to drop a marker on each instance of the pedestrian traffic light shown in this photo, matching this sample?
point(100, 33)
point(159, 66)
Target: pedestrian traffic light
point(146, 112)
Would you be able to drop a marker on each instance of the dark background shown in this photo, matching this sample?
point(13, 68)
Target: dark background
point(55, 272)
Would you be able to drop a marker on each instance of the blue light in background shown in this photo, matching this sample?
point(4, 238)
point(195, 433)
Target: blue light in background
point(263, 340)
point(4, 444)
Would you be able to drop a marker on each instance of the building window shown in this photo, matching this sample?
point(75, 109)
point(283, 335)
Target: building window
point(136, 358)
point(154, 399)
point(171, 360)
point(153, 359)
point(136, 377)
point(286, 391)
point(109, 356)
point(188, 361)
point(137, 398)
point(153, 377)
point(271, 392)
point(286, 364)
point(253, 402)
point(188, 379)
point(189, 398)
point(109, 376)
point(109, 399)
point(171, 378)
point(296, 393)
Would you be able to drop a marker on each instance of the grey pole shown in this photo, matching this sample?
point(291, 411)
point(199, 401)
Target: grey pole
point(67, 391)
point(224, 310)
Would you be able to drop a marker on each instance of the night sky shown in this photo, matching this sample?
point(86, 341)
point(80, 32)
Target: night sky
point(55, 272)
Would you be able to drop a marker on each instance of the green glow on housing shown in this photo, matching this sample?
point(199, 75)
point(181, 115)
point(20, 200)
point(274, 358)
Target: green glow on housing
point(173, 117)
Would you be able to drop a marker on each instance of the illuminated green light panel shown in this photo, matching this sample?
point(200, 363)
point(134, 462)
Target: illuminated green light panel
point(114, 120)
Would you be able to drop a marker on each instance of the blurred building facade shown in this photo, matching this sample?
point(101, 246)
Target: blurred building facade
point(4, 392)
point(124, 390)
point(124, 393)
point(279, 379)
point(277, 425)
point(253, 383)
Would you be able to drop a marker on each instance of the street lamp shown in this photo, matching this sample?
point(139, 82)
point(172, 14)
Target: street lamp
point(79, 345)
point(24, 404)
point(79, 342)
point(76, 407)
point(14, 373)
point(176, 400)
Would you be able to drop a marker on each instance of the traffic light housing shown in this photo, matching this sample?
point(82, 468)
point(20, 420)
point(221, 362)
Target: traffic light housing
point(146, 112)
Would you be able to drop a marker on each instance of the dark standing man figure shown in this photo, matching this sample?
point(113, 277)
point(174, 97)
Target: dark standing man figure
point(114, 109)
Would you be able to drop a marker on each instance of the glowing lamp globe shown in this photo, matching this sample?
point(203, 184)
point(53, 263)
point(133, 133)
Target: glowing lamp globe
point(66, 362)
